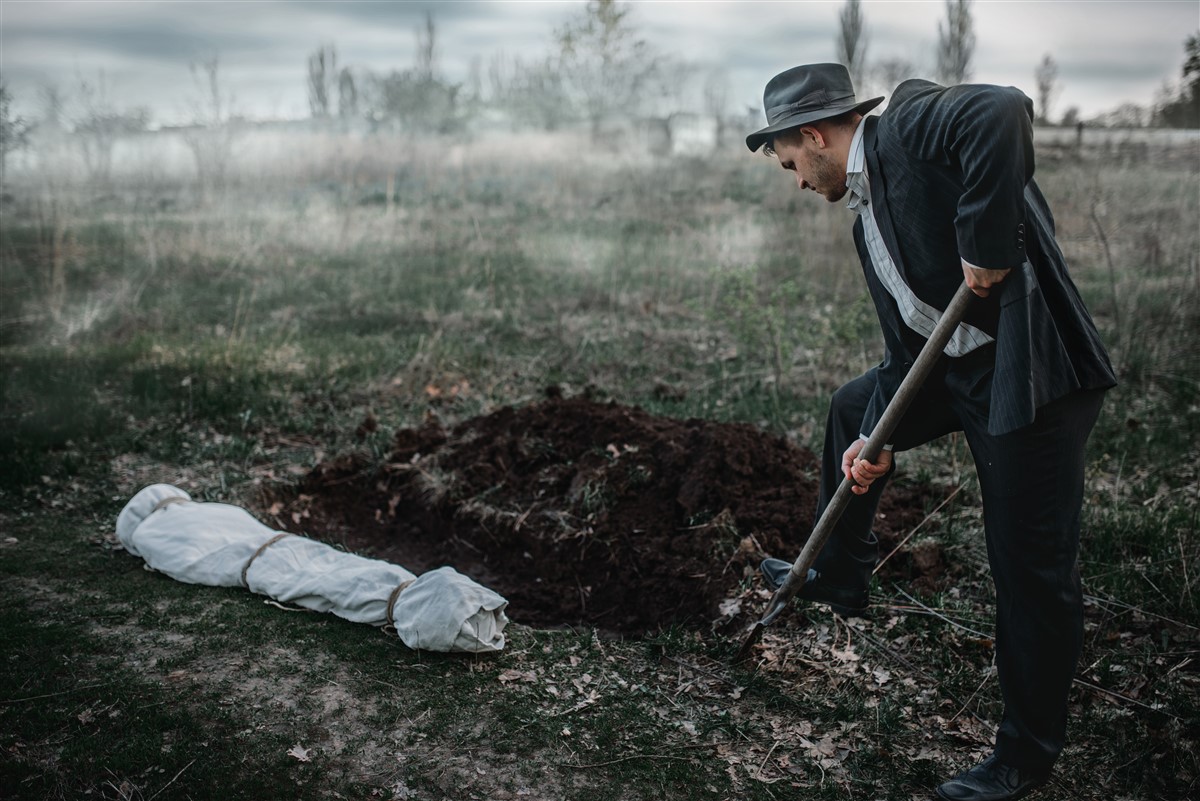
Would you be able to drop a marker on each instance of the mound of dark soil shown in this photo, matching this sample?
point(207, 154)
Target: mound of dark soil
point(582, 512)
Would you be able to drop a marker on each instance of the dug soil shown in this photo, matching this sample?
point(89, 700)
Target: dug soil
point(588, 513)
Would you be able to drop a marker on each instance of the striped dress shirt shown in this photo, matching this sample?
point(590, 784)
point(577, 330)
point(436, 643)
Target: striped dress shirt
point(916, 313)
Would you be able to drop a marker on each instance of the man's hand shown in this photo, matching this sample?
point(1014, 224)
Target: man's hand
point(862, 472)
point(980, 280)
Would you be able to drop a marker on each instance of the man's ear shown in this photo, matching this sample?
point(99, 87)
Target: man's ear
point(814, 133)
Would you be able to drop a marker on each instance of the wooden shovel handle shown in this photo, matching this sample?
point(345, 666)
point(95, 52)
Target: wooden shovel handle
point(883, 432)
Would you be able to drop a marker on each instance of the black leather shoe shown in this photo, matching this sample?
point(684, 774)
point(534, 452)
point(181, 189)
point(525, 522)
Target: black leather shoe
point(991, 780)
point(846, 601)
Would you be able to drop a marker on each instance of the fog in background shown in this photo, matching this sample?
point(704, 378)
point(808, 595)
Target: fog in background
point(156, 90)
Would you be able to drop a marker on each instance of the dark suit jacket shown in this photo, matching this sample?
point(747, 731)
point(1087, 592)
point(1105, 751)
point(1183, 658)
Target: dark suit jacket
point(951, 172)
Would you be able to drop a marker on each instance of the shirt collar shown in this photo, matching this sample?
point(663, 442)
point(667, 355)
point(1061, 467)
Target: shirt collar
point(856, 171)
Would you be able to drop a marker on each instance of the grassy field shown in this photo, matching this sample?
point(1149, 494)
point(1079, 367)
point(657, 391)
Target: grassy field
point(228, 341)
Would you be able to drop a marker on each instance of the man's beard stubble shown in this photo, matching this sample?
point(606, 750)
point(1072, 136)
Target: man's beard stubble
point(829, 178)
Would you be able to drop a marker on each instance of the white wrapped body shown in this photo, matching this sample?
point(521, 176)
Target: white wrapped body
point(212, 544)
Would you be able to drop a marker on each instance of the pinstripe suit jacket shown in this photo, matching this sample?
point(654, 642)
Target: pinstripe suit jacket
point(951, 172)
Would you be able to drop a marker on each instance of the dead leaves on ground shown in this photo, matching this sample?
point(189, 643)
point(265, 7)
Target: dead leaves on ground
point(300, 753)
point(822, 667)
point(805, 741)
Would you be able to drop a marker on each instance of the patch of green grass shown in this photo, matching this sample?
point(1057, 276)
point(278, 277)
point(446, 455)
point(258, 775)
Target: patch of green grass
point(49, 403)
point(58, 409)
point(79, 716)
point(1142, 555)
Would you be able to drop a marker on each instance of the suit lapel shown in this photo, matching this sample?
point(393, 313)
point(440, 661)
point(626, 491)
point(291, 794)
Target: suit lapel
point(879, 203)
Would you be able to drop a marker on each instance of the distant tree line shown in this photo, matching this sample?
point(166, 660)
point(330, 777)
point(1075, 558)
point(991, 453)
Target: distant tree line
point(14, 129)
point(953, 55)
point(1180, 107)
point(95, 121)
point(1176, 106)
point(598, 71)
point(91, 122)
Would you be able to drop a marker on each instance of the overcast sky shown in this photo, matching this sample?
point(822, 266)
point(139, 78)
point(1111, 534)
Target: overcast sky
point(1108, 52)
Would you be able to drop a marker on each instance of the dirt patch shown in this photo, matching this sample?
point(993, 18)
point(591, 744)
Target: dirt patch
point(585, 513)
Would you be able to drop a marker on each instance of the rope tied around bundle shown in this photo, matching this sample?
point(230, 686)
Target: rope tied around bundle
point(258, 553)
point(391, 601)
point(167, 501)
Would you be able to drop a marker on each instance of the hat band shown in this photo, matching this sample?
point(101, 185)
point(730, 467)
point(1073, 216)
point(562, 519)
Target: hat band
point(810, 102)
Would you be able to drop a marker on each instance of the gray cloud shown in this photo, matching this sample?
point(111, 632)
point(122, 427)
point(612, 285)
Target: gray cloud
point(1107, 52)
point(149, 41)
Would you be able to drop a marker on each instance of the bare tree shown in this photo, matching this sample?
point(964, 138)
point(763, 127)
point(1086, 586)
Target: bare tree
point(852, 41)
point(347, 94)
point(211, 107)
point(417, 99)
point(322, 77)
point(427, 50)
point(212, 134)
point(607, 71)
point(530, 94)
point(474, 84)
point(13, 130)
point(1126, 115)
point(1046, 78)
point(49, 132)
point(1181, 108)
point(956, 43)
point(1192, 48)
point(716, 101)
point(100, 124)
point(53, 105)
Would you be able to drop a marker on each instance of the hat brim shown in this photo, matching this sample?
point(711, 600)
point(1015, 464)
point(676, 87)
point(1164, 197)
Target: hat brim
point(759, 138)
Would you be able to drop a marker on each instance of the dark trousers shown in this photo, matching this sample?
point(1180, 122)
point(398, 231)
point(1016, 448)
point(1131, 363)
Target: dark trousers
point(1031, 481)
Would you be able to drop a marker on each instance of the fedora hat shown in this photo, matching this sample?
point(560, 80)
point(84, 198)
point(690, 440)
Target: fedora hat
point(806, 94)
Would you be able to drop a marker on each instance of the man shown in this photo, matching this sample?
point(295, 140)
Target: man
point(942, 190)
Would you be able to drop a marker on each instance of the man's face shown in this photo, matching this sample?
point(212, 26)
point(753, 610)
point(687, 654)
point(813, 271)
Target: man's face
point(815, 166)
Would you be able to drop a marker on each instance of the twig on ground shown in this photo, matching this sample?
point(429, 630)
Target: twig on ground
point(1139, 610)
point(917, 528)
point(621, 759)
point(940, 616)
point(1187, 582)
point(51, 695)
point(1125, 698)
point(931, 679)
point(168, 784)
point(986, 676)
point(917, 610)
point(1138, 756)
point(1155, 586)
point(579, 707)
point(1187, 661)
point(699, 669)
point(766, 759)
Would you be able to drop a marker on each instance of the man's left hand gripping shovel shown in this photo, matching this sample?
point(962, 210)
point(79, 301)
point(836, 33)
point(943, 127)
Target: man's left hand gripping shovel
point(917, 374)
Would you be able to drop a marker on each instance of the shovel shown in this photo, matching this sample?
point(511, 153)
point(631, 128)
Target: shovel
point(884, 429)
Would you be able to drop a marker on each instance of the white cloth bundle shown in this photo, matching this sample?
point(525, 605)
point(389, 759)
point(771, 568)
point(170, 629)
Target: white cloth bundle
point(225, 546)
